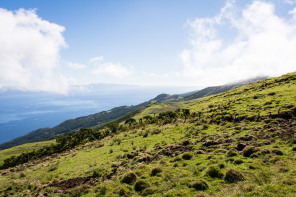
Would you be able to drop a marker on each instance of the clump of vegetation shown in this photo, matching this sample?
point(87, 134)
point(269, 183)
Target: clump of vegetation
point(200, 185)
point(141, 185)
point(277, 152)
point(99, 173)
point(238, 161)
point(149, 191)
point(187, 156)
point(231, 153)
point(214, 172)
point(125, 191)
point(156, 131)
point(233, 176)
point(129, 178)
point(156, 171)
point(249, 150)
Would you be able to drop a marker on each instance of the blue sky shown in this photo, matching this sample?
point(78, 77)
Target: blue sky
point(48, 45)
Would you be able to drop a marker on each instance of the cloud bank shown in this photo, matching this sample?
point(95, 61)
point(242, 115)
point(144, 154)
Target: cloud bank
point(29, 52)
point(240, 43)
point(108, 68)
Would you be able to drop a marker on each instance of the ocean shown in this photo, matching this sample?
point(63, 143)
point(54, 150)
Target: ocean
point(22, 112)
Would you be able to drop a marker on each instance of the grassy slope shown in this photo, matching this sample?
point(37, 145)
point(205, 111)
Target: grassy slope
point(268, 174)
point(17, 150)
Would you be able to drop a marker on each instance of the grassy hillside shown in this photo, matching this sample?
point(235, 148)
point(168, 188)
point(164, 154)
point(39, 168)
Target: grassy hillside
point(72, 125)
point(103, 118)
point(17, 150)
point(238, 143)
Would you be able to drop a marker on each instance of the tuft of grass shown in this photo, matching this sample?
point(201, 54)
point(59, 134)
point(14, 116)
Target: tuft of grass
point(129, 178)
point(214, 172)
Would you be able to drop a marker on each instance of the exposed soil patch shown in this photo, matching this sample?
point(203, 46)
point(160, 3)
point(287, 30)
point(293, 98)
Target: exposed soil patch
point(70, 183)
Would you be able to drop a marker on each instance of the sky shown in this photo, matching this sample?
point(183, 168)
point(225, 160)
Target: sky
point(51, 44)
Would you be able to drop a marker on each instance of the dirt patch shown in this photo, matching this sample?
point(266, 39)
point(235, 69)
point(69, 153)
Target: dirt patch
point(70, 183)
point(170, 150)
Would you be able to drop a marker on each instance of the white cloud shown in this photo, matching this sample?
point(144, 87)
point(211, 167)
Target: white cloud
point(109, 68)
point(96, 59)
point(29, 52)
point(240, 43)
point(75, 66)
point(289, 1)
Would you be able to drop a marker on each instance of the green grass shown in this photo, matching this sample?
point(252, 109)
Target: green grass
point(158, 145)
point(17, 150)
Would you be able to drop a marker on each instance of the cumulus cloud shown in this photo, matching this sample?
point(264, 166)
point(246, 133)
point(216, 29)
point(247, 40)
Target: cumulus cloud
point(240, 43)
point(109, 68)
point(29, 52)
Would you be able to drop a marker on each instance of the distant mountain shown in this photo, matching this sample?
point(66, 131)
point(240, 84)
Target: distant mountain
point(219, 89)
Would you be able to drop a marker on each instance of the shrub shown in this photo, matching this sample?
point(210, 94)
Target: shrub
point(249, 150)
point(141, 185)
point(187, 156)
point(214, 172)
point(200, 185)
point(156, 171)
point(233, 176)
point(129, 178)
